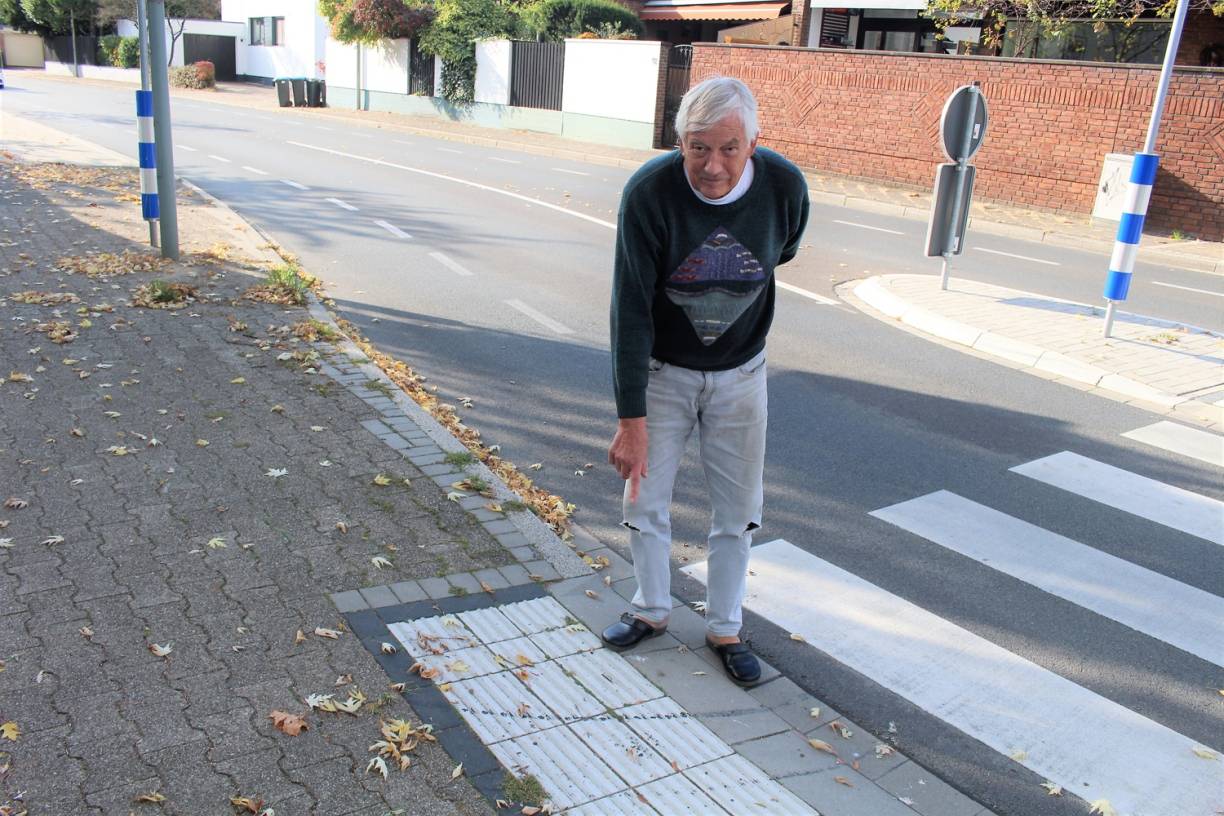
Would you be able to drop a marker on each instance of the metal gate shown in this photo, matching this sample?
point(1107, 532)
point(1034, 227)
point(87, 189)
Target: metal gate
point(220, 51)
point(679, 61)
point(537, 74)
point(420, 70)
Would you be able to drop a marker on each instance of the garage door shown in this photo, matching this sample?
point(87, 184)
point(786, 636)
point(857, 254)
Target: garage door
point(217, 50)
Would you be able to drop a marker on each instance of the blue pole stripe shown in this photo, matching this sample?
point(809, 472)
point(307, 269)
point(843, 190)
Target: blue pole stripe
point(1117, 285)
point(1130, 228)
point(144, 103)
point(148, 155)
point(149, 207)
point(1143, 171)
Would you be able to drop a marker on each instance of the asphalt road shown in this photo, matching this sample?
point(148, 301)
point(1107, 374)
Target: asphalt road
point(504, 300)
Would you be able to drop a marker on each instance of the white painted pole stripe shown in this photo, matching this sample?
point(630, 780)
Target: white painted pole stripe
point(144, 129)
point(1137, 197)
point(1123, 257)
point(805, 293)
point(539, 317)
point(1182, 439)
point(1146, 601)
point(255, 170)
point(394, 230)
point(344, 205)
point(1078, 739)
point(185, 147)
point(450, 264)
point(1014, 255)
point(219, 158)
point(537, 202)
point(571, 172)
point(1188, 288)
point(1147, 498)
point(294, 184)
point(867, 226)
point(505, 161)
point(148, 180)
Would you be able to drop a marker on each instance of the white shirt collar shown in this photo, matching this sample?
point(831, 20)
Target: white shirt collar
point(737, 192)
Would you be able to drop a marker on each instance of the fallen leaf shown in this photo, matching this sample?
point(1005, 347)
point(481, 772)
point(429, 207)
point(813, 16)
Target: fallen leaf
point(484, 587)
point(153, 798)
point(380, 562)
point(382, 480)
point(699, 673)
point(387, 648)
point(798, 637)
point(276, 473)
point(343, 680)
point(6, 543)
point(86, 632)
point(15, 503)
point(1052, 789)
point(332, 634)
point(455, 496)
point(821, 745)
point(1203, 753)
point(217, 543)
point(317, 428)
point(10, 731)
point(455, 774)
point(841, 780)
point(291, 724)
point(378, 766)
point(159, 650)
point(815, 711)
point(238, 381)
point(841, 730)
point(398, 687)
point(341, 526)
point(882, 751)
point(53, 540)
point(201, 443)
point(248, 804)
point(299, 638)
point(1102, 807)
point(1018, 756)
point(590, 593)
point(277, 409)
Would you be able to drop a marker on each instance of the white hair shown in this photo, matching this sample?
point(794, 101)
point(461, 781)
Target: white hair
point(712, 100)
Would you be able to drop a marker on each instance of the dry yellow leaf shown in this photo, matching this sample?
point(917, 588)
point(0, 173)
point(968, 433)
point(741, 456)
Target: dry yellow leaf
point(382, 480)
point(154, 797)
point(821, 745)
point(1203, 753)
point(1102, 807)
point(841, 780)
point(455, 774)
point(331, 634)
point(1052, 789)
point(299, 638)
point(798, 637)
point(238, 381)
point(10, 731)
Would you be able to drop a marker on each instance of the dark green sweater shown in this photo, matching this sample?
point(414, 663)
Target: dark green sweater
point(693, 282)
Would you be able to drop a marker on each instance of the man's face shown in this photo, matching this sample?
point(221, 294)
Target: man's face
point(715, 158)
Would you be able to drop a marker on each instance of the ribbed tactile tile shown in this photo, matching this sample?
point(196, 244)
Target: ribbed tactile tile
point(429, 635)
point(570, 772)
point(499, 707)
point(559, 692)
point(538, 615)
point(618, 804)
point(607, 676)
point(742, 788)
point(490, 625)
point(567, 641)
point(461, 665)
point(676, 796)
point(670, 730)
point(625, 752)
point(518, 652)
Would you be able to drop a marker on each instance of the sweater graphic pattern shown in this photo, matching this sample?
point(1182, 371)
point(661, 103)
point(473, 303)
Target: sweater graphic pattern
point(716, 283)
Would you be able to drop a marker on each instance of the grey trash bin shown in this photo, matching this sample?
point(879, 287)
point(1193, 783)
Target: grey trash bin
point(282, 92)
point(299, 91)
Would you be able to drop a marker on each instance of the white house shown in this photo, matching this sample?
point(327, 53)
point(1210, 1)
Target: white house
point(280, 38)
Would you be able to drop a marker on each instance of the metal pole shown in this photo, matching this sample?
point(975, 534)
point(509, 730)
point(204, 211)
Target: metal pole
point(161, 129)
point(1119, 277)
point(142, 34)
point(358, 75)
point(958, 189)
point(76, 67)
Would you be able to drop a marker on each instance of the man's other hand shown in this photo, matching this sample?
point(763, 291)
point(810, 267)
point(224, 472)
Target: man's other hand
point(628, 452)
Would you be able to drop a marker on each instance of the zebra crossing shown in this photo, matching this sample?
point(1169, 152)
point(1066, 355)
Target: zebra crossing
point(1076, 738)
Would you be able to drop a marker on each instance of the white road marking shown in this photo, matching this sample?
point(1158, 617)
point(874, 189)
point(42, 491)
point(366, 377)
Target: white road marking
point(805, 293)
point(322, 127)
point(505, 161)
point(543, 319)
point(450, 264)
point(1146, 601)
point(1193, 442)
point(571, 172)
point(185, 147)
point(219, 158)
point(255, 170)
point(401, 141)
point(394, 230)
point(344, 205)
point(537, 202)
point(1070, 735)
point(867, 226)
point(1013, 255)
point(449, 150)
point(294, 184)
point(1188, 288)
point(1147, 498)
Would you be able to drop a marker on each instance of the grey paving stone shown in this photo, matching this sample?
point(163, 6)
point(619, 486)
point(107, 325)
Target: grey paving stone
point(768, 672)
point(618, 567)
point(542, 570)
point(483, 514)
point(514, 574)
point(379, 596)
point(625, 588)
point(491, 577)
point(786, 754)
point(375, 426)
point(688, 627)
point(741, 726)
point(859, 746)
point(418, 454)
point(442, 473)
point(691, 682)
point(464, 581)
point(409, 591)
point(512, 540)
point(394, 441)
point(436, 587)
point(930, 795)
point(523, 554)
point(798, 713)
point(831, 798)
point(349, 601)
point(503, 525)
point(777, 692)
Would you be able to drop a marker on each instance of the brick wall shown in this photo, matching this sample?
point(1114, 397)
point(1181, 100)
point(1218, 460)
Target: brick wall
point(876, 115)
point(1202, 29)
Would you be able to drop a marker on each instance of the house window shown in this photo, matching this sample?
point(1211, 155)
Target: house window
point(1138, 41)
point(267, 30)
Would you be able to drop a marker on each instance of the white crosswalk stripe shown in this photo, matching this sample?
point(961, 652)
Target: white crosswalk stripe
point(1156, 501)
point(1182, 439)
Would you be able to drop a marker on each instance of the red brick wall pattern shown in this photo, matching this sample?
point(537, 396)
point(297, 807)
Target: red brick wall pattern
point(876, 115)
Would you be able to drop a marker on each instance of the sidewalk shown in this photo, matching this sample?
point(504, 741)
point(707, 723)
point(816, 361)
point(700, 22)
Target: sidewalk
point(242, 572)
point(1153, 364)
point(1059, 229)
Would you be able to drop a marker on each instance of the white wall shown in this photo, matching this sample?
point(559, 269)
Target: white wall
point(217, 28)
point(493, 72)
point(618, 79)
point(385, 66)
point(341, 62)
point(302, 53)
point(21, 50)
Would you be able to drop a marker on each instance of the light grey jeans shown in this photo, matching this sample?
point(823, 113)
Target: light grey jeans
point(729, 410)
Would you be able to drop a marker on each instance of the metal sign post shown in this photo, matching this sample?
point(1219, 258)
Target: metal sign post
point(1143, 176)
point(962, 129)
point(161, 129)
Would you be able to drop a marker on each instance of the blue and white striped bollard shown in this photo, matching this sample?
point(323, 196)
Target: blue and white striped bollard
point(148, 156)
point(1130, 231)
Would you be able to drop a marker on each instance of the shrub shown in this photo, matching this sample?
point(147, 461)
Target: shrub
point(128, 53)
point(452, 38)
point(108, 49)
point(390, 19)
point(558, 19)
point(201, 74)
point(207, 73)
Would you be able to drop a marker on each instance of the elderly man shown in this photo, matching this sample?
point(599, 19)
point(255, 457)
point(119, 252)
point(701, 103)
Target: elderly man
point(700, 232)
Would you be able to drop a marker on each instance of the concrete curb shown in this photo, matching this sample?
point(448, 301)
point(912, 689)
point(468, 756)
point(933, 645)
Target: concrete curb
point(884, 302)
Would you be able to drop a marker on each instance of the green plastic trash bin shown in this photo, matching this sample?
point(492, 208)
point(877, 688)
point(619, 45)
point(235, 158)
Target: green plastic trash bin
point(299, 91)
point(282, 92)
point(314, 93)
